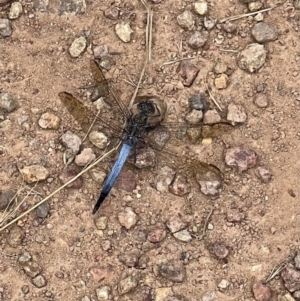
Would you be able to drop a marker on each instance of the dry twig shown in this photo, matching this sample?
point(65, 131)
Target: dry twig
point(176, 61)
point(205, 225)
point(275, 271)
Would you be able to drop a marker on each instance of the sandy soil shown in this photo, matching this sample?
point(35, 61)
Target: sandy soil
point(35, 66)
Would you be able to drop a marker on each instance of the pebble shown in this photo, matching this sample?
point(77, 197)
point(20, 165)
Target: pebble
point(127, 218)
point(31, 268)
point(112, 13)
point(159, 137)
point(77, 47)
point(15, 237)
point(103, 293)
point(99, 274)
point(123, 31)
point(34, 173)
point(71, 141)
point(25, 289)
point(224, 283)
point(297, 260)
point(261, 100)
point(100, 51)
point(296, 4)
point(72, 6)
point(220, 67)
point(145, 157)
point(210, 296)
point(194, 117)
point(222, 81)
point(5, 28)
point(291, 278)
point(263, 32)
point(85, 298)
point(42, 210)
point(5, 197)
point(261, 292)
point(100, 222)
point(162, 293)
point(193, 134)
point(130, 259)
point(186, 20)
point(234, 215)
point(180, 185)
point(68, 174)
point(263, 173)
point(49, 121)
point(7, 102)
point(86, 157)
point(187, 73)
point(15, 10)
point(183, 235)
point(236, 113)
point(173, 270)
point(198, 39)
point(288, 297)
point(209, 23)
point(219, 250)
point(201, 8)
point(39, 281)
point(98, 175)
point(126, 180)
point(175, 224)
point(157, 235)
point(211, 117)
point(99, 139)
point(198, 102)
point(164, 178)
point(24, 257)
point(127, 285)
point(252, 57)
point(242, 158)
point(254, 6)
point(210, 187)
point(229, 27)
point(174, 298)
point(106, 245)
point(259, 17)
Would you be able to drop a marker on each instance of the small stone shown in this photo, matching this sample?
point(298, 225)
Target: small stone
point(236, 113)
point(210, 187)
point(180, 185)
point(157, 235)
point(15, 10)
point(126, 180)
point(296, 4)
point(24, 257)
point(164, 178)
point(106, 245)
point(71, 141)
point(77, 47)
point(242, 158)
point(229, 27)
point(85, 298)
point(263, 32)
point(100, 222)
point(112, 13)
point(223, 284)
point(49, 120)
point(5, 28)
point(15, 237)
point(297, 260)
point(174, 298)
point(261, 292)
point(123, 31)
point(67, 175)
point(98, 175)
point(31, 268)
point(252, 57)
point(211, 117)
point(103, 293)
point(5, 197)
point(100, 51)
point(209, 23)
point(198, 39)
point(259, 17)
point(25, 289)
point(7, 102)
point(187, 73)
point(34, 173)
point(173, 270)
point(287, 297)
point(145, 157)
point(127, 285)
point(39, 281)
point(127, 218)
point(234, 215)
point(130, 259)
point(99, 139)
point(86, 157)
point(219, 250)
point(162, 293)
point(261, 100)
point(100, 273)
point(42, 210)
point(210, 296)
point(220, 67)
point(183, 235)
point(296, 296)
point(72, 6)
point(175, 224)
point(107, 62)
point(186, 20)
point(222, 81)
point(194, 117)
point(198, 102)
point(201, 8)
point(291, 278)
point(159, 137)
point(254, 6)
point(264, 174)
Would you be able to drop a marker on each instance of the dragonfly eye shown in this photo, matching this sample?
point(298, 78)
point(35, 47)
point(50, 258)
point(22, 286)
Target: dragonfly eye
point(146, 107)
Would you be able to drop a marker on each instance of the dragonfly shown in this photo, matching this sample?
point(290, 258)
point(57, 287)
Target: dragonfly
point(144, 116)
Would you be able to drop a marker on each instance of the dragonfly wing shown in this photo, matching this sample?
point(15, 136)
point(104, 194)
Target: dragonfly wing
point(101, 82)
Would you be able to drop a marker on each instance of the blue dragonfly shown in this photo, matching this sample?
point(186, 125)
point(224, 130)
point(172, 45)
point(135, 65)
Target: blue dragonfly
point(144, 116)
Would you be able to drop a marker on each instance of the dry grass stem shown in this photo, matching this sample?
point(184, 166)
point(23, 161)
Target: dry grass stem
point(229, 50)
point(213, 99)
point(92, 124)
point(205, 224)
point(176, 61)
point(275, 271)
